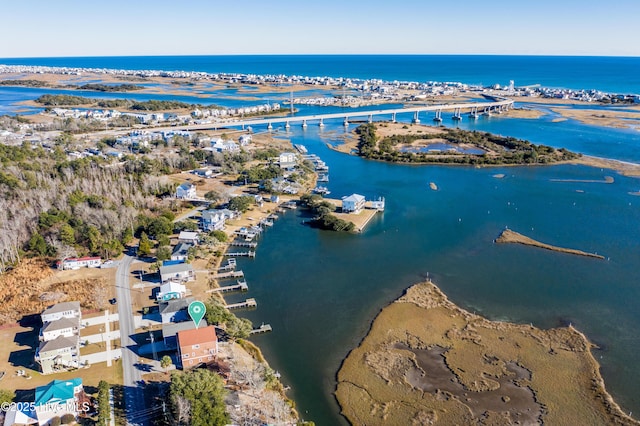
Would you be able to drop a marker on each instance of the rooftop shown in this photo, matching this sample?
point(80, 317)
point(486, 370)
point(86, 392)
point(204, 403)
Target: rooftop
point(62, 307)
point(197, 336)
point(57, 391)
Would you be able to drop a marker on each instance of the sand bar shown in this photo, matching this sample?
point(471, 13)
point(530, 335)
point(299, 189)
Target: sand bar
point(509, 236)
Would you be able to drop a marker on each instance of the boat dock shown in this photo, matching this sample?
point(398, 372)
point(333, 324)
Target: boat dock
point(230, 274)
point(242, 254)
point(249, 303)
point(243, 244)
point(264, 328)
point(230, 266)
point(240, 286)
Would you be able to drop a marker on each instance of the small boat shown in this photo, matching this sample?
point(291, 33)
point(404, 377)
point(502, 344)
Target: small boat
point(322, 190)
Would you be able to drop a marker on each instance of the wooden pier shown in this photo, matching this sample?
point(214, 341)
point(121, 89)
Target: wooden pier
point(231, 274)
point(230, 266)
point(243, 244)
point(249, 303)
point(264, 328)
point(240, 286)
point(242, 254)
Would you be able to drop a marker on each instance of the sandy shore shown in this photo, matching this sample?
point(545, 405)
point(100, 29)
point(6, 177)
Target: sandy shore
point(509, 236)
point(427, 361)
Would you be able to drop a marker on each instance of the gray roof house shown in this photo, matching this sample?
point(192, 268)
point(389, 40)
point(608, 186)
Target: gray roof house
point(181, 272)
point(175, 310)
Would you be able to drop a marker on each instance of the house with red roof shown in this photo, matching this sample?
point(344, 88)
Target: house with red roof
point(197, 346)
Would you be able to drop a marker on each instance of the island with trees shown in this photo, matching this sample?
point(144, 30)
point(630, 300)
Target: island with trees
point(404, 143)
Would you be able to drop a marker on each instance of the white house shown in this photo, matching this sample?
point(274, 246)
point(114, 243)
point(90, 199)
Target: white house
point(221, 145)
point(244, 140)
point(171, 290)
point(189, 237)
point(181, 272)
point(67, 327)
point(186, 190)
point(181, 251)
point(61, 310)
point(354, 203)
point(287, 160)
point(59, 354)
point(213, 220)
point(81, 262)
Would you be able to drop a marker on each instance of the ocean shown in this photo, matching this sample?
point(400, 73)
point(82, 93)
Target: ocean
point(321, 290)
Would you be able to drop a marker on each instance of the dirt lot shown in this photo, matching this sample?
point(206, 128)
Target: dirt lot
point(33, 286)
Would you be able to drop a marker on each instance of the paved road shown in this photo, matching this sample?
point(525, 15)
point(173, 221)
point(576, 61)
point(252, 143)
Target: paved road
point(133, 393)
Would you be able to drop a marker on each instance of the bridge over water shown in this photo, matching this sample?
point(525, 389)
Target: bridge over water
point(474, 110)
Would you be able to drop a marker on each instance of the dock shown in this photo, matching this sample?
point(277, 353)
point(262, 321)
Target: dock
point(249, 303)
point(264, 328)
point(230, 274)
point(243, 244)
point(242, 254)
point(240, 286)
point(230, 266)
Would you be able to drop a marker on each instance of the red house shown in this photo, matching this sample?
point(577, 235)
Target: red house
point(197, 346)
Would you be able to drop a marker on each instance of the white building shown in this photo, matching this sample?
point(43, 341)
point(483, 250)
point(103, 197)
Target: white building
point(354, 203)
point(171, 290)
point(186, 190)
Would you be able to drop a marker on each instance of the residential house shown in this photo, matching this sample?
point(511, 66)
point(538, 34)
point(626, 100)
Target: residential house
point(244, 140)
point(61, 310)
point(175, 310)
point(197, 346)
point(67, 327)
point(81, 262)
point(171, 290)
point(205, 173)
point(354, 203)
point(58, 398)
point(189, 237)
point(212, 220)
point(181, 251)
point(287, 160)
point(186, 190)
point(182, 272)
point(170, 330)
point(221, 145)
point(58, 354)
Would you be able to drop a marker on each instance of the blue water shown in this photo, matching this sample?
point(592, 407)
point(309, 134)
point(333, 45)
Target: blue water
point(610, 74)
point(320, 290)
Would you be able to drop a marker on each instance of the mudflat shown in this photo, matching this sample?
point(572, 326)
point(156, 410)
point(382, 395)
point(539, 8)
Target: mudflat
point(427, 361)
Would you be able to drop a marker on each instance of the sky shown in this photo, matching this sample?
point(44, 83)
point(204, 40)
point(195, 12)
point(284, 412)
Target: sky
point(44, 28)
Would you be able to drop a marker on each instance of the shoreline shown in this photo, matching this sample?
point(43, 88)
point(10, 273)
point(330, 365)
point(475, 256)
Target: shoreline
point(377, 381)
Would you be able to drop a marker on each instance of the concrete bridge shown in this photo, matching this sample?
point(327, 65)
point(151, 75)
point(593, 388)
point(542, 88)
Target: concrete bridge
point(474, 109)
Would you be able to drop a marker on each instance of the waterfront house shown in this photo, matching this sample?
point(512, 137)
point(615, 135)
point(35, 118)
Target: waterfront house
point(213, 220)
point(175, 310)
point(287, 160)
point(170, 330)
point(244, 140)
point(186, 190)
point(197, 346)
point(58, 354)
point(189, 237)
point(171, 290)
point(61, 310)
point(181, 251)
point(354, 203)
point(182, 272)
point(58, 398)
